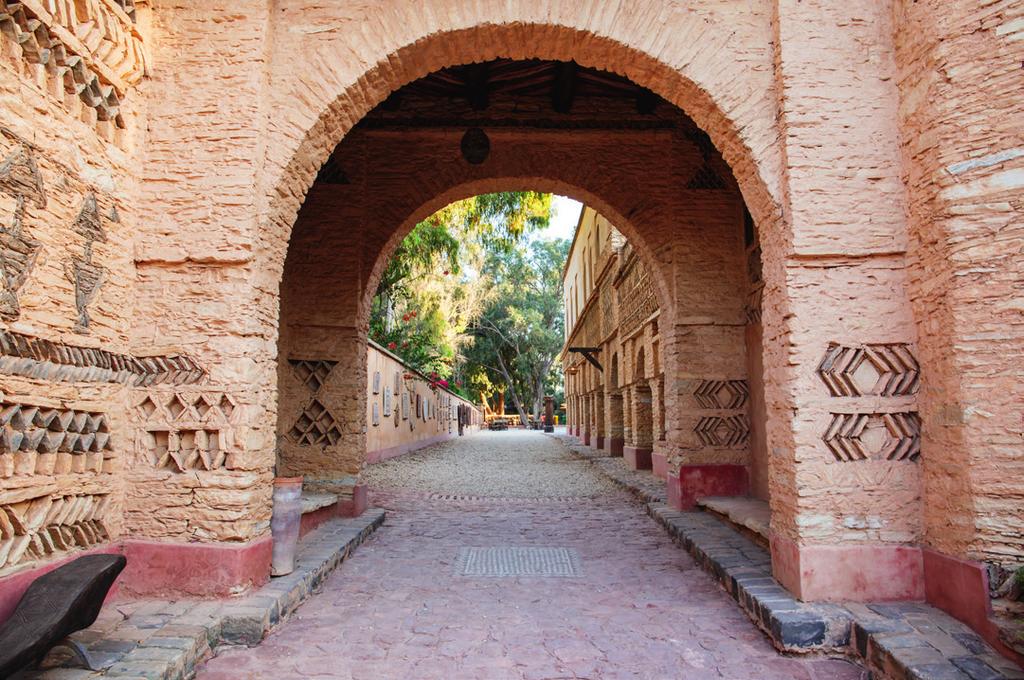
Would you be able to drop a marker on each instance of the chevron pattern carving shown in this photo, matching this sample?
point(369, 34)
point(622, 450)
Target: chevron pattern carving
point(723, 431)
point(47, 526)
point(87, 48)
point(721, 394)
point(870, 370)
point(874, 436)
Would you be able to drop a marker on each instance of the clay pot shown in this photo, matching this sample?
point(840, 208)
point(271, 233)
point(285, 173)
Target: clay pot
point(284, 524)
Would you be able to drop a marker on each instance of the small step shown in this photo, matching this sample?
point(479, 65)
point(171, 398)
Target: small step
point(312, 501)
point(751, 516)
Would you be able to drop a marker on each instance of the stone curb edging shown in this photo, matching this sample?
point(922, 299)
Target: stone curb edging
point(901, 641)
point(189, 632)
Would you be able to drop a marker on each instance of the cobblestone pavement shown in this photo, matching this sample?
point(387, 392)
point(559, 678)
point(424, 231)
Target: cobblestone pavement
point(397, 609)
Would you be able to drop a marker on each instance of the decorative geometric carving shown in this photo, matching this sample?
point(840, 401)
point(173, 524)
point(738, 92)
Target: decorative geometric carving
point(875, 436)
point(20, 179)
point(82, 271)
point(870, 370)
point(315, 426)
point(312, 372)
point(41, 440)
point(43, 527)
point(31, 357)
point(721, 394)
point(89, 48)
point(637, 301)
point(185, 431)
point(723, 431)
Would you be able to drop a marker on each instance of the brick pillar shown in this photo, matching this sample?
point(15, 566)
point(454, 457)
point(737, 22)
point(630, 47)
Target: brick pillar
point(600, 437)
point(659, 458)
point(640, 444)
point(613, 419)
point(588, 419)
point(840, 336)
point(627, 414)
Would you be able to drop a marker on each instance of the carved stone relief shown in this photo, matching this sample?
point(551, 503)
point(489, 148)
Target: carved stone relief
point(870, 370)
point(87, 48)
point(874, 436)
point(46, 441)
point(19, 179)
point(184, 431)
point(86, 275)
point(43, 359)
point(889, 372)
point(721, 394)
point(46, 526)
point(723, 431)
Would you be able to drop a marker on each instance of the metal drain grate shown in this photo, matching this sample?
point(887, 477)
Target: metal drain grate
point(510, 561)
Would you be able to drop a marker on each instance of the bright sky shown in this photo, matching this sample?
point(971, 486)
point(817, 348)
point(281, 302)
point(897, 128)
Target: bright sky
point(565, 214)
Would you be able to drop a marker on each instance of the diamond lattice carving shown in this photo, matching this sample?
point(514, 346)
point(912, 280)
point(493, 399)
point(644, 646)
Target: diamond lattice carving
point(185, 431)
point(315, 426)
point(870, 370)
point(874, 436)
point(312, 372)
point(721, 394)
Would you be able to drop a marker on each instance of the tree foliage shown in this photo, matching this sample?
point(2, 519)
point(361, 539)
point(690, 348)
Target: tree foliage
point(433, 286)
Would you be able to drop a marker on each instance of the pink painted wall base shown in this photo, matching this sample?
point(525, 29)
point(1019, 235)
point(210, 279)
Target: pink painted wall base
point(195, 569)
point(848, 573)
point(697, 481)
point(637, 457)
point(659, 465)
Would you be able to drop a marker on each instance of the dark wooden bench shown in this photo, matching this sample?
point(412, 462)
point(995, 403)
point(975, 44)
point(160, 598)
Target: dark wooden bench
point(56, 605)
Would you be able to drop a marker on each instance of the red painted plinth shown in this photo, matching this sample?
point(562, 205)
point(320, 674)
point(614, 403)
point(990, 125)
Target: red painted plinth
point(357, 505)
point(659, 465)
point(586, 437)
point(637, 458)
point(960, 588)
point(195, 569)
point(616, 446)
point(697, 481)
point(848, 573)
point(598, 442)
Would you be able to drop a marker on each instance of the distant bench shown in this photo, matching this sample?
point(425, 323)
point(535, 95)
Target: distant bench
point(56, 605)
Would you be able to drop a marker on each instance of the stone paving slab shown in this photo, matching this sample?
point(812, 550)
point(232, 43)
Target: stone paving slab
point(901, 641)
point(164, 640)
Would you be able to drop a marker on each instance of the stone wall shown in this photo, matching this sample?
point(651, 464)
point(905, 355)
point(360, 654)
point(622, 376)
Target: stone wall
point(405, 412)
point(960, 76)
point(69, 122)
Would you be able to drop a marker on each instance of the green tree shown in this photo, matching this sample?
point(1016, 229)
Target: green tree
point(519, 333)
point(432, 287)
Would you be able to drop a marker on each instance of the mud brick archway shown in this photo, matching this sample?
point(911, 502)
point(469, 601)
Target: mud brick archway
point(160, 233)
point(713, 77)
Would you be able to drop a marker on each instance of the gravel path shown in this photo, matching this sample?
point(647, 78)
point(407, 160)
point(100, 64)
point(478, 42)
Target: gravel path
point(509, 464)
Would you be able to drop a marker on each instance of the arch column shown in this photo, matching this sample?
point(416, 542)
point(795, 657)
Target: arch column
point(613, 418)
point(600, 437)
point(846, 514)
point(640, 444)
